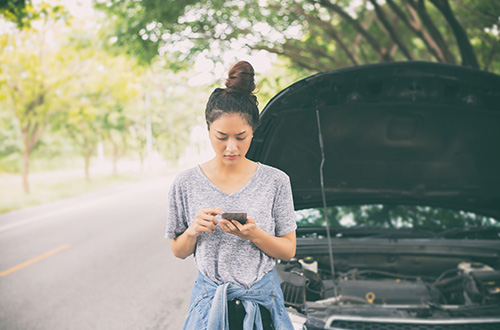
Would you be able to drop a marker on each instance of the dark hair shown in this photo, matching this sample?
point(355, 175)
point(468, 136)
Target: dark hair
point(237, 97)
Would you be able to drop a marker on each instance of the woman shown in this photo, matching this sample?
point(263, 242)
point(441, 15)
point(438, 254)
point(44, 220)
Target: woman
point(235, 261)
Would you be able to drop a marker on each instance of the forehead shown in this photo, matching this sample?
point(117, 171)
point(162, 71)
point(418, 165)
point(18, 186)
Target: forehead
point(232, 122)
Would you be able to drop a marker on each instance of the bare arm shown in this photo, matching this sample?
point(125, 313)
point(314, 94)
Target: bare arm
point(282, 247)
point(184, 245)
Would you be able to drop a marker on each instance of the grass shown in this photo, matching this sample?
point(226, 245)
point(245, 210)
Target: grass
point(51, 188)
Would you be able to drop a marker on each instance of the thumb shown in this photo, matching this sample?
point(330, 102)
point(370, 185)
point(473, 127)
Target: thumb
point(250, 220)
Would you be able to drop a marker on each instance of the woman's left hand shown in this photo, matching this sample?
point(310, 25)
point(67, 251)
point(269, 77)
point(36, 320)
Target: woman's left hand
point(247, 231)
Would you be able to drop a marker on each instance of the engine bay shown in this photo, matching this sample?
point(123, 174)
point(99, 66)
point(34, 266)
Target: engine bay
point(467, 286)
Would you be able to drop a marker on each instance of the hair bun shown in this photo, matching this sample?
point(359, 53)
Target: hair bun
point(241, 78)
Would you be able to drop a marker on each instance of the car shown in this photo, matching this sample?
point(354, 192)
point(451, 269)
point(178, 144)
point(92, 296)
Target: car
point(395, 173)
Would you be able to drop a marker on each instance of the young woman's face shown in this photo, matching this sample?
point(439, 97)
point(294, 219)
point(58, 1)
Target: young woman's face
point(231, 136)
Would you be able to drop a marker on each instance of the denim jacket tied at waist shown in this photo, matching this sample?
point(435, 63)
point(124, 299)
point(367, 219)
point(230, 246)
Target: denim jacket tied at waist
point(208, 305)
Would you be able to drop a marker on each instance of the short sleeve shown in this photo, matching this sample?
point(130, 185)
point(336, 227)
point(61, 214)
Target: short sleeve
point(283, 209)
point(176, 218)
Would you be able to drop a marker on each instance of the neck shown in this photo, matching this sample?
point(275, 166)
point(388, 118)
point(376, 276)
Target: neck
point(223, 168)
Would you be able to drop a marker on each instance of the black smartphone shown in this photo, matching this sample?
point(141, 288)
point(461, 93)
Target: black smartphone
point(241, 217)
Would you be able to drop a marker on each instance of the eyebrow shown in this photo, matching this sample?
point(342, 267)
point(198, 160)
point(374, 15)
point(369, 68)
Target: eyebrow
point(228, 134)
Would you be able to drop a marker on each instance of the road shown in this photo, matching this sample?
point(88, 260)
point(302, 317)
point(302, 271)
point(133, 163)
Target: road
point(97, 261)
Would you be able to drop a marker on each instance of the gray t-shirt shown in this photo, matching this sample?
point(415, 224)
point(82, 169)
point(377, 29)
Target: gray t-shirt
point(224, 257)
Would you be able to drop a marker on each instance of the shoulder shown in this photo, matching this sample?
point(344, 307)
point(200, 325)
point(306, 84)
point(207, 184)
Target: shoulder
point(274, 174)
point(185, 177)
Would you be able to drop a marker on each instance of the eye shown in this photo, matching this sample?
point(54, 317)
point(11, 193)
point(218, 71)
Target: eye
point(221, 138)
point(241, 138)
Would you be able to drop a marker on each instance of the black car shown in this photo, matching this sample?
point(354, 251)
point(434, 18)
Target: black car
point(395, 171)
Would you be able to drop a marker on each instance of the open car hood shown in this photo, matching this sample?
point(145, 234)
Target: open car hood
point(408, 132)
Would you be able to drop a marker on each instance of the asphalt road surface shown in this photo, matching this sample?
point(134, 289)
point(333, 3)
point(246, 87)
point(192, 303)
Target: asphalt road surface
point(97, 261)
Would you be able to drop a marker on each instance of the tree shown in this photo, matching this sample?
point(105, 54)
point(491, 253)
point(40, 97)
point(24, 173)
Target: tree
point(120, 79)
point(173, 107)
point(23, 13)
point(316, 35)
point(100, 90)
point(138, 25)
point(30, 87)
point(10, 140)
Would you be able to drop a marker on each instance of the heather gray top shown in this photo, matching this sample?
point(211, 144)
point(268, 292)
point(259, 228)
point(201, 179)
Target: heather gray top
point(224, 257)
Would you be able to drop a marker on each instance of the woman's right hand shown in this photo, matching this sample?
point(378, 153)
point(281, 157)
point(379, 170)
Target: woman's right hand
point(204, 221)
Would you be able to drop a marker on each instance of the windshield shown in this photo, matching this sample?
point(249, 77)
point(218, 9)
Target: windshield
point(428, 219)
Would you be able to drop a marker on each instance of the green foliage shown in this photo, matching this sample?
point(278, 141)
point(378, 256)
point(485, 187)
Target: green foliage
point(280, 77)
point(482, 21)
point(316, 35)
point(29, 84)
point(137, 26)
point(173, 107)
point(101, 89)
point(427, 218)
point(10, 139)
point(23, 12)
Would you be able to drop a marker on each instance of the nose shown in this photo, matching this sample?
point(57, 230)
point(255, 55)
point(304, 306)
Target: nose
point(231, 145)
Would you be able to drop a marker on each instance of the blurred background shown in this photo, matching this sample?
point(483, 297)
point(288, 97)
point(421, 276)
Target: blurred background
point(102, 103)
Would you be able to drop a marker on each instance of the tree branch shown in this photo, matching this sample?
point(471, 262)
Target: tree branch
point(297, 59)
point(390, 30)
point(466, 51)
point(330, 31)
point(415, 25)
point(433, 31)
point(290, 48)
point(369, 38)
point(356, 45)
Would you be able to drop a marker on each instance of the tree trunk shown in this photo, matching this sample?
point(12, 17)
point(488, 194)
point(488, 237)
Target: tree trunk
point(87, 165)
point(26, 167)
point(141, 158)
point(115, 159)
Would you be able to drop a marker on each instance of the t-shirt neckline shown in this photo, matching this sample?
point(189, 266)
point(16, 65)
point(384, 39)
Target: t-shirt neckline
point(198, 170)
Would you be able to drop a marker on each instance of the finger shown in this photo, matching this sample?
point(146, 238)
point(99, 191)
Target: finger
point(207, 217)
point(206, 223)
point(212, 211)
point(236, 224)
point(250, 220)
point(199, 228)
point(227, 226)
point(223, 224)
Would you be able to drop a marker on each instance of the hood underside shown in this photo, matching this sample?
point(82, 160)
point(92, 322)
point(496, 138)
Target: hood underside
point(412, 132)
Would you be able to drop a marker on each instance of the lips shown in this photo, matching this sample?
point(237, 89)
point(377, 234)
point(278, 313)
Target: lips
point(231, 157)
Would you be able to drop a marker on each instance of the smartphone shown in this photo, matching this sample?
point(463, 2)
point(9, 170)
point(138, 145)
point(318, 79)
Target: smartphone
point(241, 217)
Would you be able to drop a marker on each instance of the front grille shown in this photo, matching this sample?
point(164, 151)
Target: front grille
point(356, 325)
